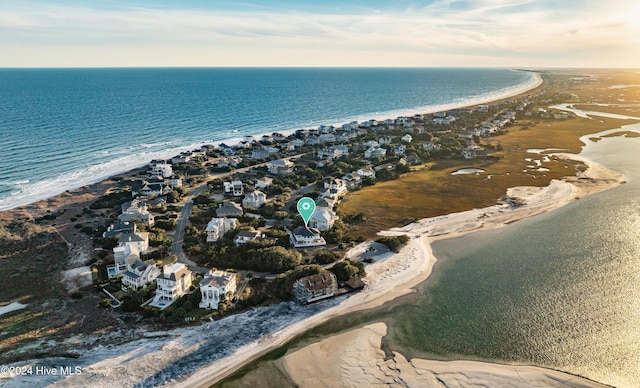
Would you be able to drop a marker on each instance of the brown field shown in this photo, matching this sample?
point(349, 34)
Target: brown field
point(436, 192)
point(623, 133)
point(633, 110)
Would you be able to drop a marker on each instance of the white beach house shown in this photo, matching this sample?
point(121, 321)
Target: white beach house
point(218, 227)
point(172, 284)
point(214, 287)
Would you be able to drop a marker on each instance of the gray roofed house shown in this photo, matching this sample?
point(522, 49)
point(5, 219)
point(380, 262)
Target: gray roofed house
point(229, 209)
point(173, 283)
point(215, 286)
point(304, 237)
point(245, 236)
point(118, 228)
point(139, 274)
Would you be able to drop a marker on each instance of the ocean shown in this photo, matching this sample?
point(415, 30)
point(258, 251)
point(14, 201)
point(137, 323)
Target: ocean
point(63, 128)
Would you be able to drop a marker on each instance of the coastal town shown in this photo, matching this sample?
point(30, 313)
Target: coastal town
point(213, 232)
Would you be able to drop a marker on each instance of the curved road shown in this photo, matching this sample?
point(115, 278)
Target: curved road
point(183, 218)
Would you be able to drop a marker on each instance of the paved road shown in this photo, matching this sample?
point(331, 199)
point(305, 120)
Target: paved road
point(178, 235)
point(183, 218)
point(295, 196)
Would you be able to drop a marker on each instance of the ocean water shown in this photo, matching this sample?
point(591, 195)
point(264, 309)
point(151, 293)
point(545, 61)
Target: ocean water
point(560, 290)
point(63, 128)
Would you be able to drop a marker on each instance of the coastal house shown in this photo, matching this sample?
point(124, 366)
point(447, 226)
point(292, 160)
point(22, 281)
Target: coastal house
point(140, 240)
point(244, 236)
point(333, 152)
point(264, 182)
point(229, 209)
point(172, 284)
point(233, 161)
point(136, 210)
point(183, 157)
point(399, 149)
point(312, 140)
point(149, 189)
point(218, 227)
point(413, 159)
point(334, 187)
point(215, 287)
point(327, 138)
point(352, 180)
point(278, 137)
point(159, 167)
point(226, 150)
point(375, 152)
point(297, 143)
point(325, 203)
point(350, 126)
point(315, 287)
point(174, 181)
point(260, 154)
point(322, 219)
point(326, 128)
point(430, 146)
point(473, 152)
point(139, 274)
point(385, 140)
point(234, 188)
point(440, 115)
point(367, 172)
point(305, 237)
point(444, 121)
point(280, 167)
point(122, 256)
point(407, 138)
point(254, 199)
point(118, 228)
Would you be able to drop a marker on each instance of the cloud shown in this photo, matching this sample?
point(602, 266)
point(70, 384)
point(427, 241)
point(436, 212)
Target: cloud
point(506, 31)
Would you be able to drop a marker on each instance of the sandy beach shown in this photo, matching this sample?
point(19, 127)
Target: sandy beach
point(397, 275)
point(354, 359)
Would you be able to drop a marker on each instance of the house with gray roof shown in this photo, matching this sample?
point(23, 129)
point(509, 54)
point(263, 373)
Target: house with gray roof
point(305, 237)
point(172, 284)
point(139, 274)
point(215, 287)
point(229, 209)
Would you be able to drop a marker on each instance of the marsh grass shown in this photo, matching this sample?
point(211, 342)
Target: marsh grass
point(436, 192)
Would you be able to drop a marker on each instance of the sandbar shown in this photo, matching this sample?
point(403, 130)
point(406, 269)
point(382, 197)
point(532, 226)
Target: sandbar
point(400, 273)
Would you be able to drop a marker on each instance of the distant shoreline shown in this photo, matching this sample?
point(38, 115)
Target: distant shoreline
point(48, 190)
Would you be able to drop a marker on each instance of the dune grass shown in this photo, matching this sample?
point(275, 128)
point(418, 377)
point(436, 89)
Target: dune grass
point(436, 192)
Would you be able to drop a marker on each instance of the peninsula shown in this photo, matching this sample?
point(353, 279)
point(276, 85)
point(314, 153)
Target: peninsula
point(221, 218)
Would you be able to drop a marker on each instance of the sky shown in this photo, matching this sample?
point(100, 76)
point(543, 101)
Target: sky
point(373, 33)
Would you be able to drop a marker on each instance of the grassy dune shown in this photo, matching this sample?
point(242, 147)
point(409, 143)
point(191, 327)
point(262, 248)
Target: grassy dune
point(436, 192)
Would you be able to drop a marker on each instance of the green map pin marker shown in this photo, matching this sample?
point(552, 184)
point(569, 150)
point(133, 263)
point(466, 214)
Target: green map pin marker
point(306, 207)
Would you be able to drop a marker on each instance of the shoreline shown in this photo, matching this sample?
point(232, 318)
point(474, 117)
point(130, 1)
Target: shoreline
point(529, 86)
point(397, 275)
point(355, 357)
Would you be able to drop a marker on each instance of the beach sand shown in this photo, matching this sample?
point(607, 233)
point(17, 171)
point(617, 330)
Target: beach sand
point(398, 274)
point(354, 359)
